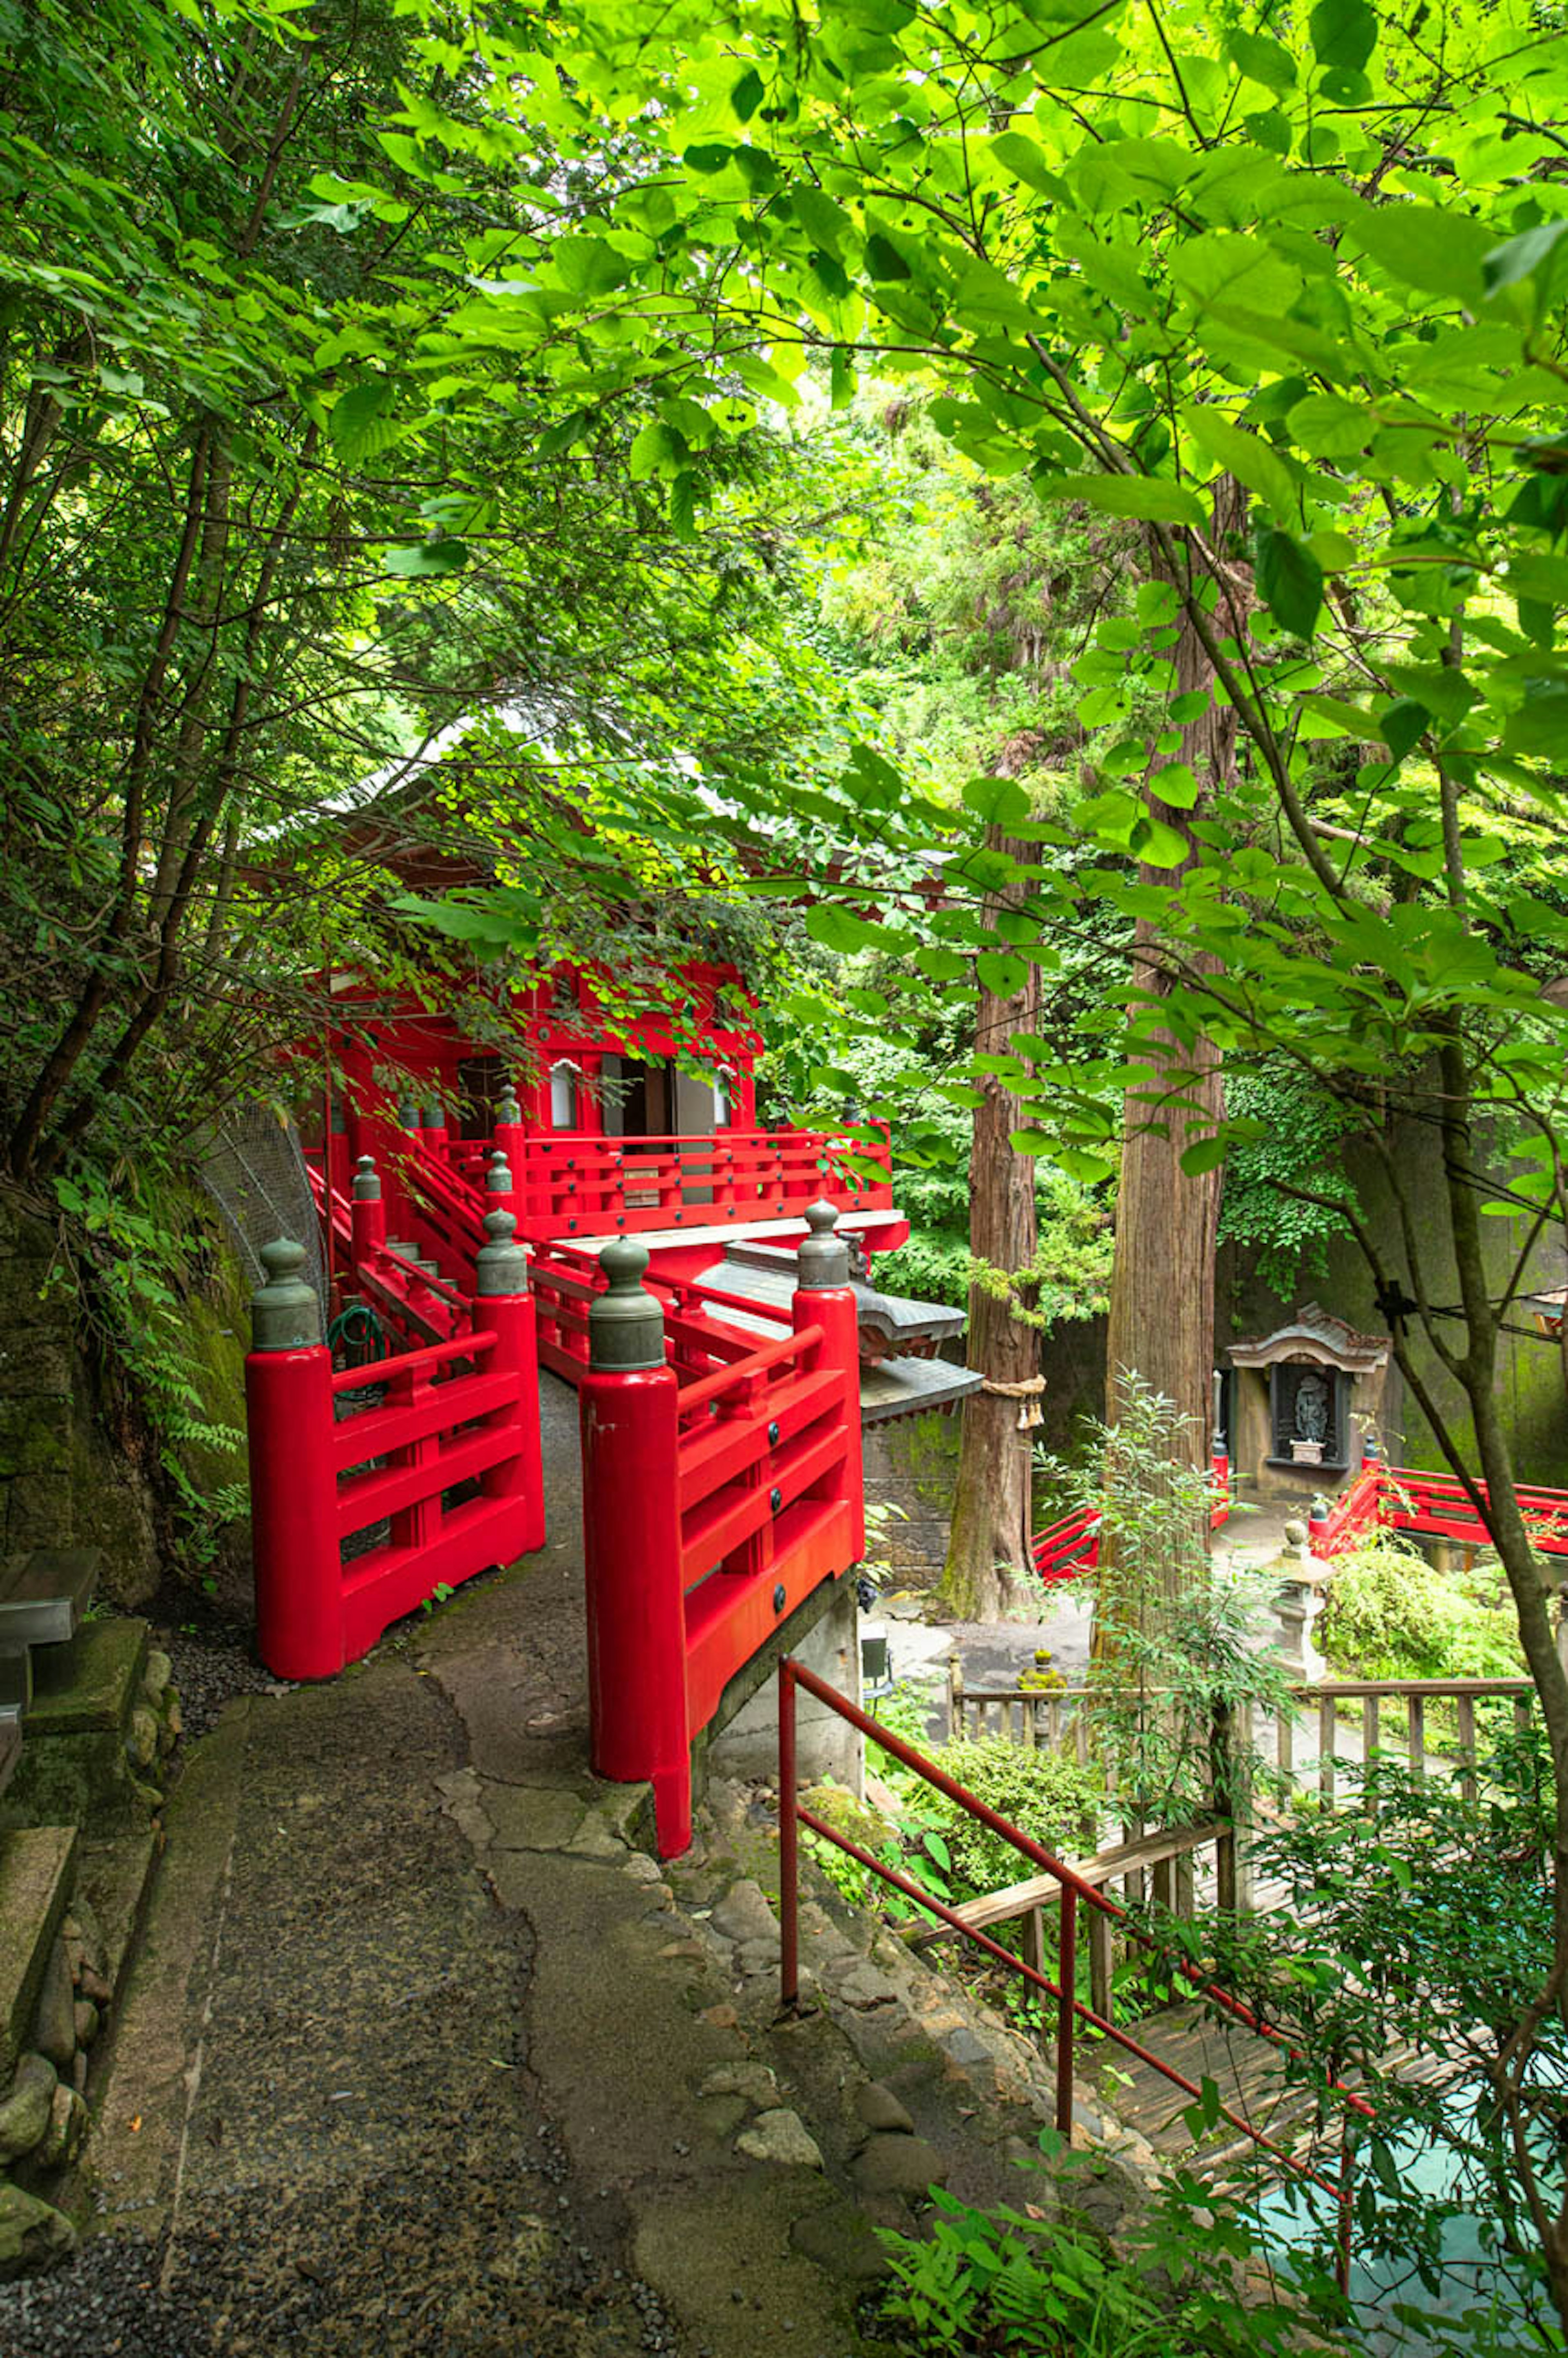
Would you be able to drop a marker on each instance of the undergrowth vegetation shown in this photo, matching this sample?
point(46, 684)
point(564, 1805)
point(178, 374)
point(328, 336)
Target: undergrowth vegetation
point(1393, 1615)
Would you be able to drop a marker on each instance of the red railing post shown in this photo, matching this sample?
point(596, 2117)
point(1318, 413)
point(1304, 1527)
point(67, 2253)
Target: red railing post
point(293, 1477)
point(510, 1142)
point(369, 1212)
point(789, 1844)
point(500, 1191)
point(632, 1546)
point(1066, 2011)
point(504, 1307)
point(824, 1297)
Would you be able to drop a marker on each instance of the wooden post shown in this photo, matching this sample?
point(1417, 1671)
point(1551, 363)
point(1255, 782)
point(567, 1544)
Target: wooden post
point(1415, 1729)
point(955, 1700)
point(1464, 1710)
point(1101, 1996)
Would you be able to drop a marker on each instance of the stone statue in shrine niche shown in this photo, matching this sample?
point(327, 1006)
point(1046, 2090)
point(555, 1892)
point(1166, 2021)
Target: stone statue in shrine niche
point(1313, 1401)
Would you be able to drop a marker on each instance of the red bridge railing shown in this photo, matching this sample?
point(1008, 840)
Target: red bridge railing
point(1066, 1548)
point(713, 1507)
point(439, 1481)
point(1436, 1505)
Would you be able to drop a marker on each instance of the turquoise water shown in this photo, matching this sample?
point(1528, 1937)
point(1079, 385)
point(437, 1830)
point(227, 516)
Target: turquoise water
point(1472, 2276)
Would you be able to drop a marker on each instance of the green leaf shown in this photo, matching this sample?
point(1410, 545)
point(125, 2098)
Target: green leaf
point(1263, 60)
point(1157, 845)
point(1175, 785)
point(1245, 456)
point(1347, 719)
point(1152, 498)
point(884, 263)
point(1206, 1155)
point(588, 266)
point(1027, 162)
point(427, 556)
point(1290, 580)
point(840, 930)
point(361, 421)
point(1005, 977)
point(1441, 251)
point(1402, 725)
point(656, 449)
point(747, 95)
point(1540, 724)
point(1000, 802)
point(1344, 33)
point(1534, 251)
point(1329, 427)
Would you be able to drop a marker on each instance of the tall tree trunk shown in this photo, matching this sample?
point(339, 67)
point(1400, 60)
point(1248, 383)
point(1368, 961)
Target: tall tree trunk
point(989, 1544)
point(1167, 1222)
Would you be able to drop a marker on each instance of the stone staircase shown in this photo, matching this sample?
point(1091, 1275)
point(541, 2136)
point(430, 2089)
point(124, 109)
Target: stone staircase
point(44, 1594)
point(87, 1716)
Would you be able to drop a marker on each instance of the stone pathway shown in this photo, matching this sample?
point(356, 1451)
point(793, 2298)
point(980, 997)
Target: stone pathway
point(423, 2051)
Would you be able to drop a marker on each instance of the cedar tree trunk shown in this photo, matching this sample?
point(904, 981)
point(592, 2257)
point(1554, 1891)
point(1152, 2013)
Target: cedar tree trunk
point(988, 1543)
point(1167, 1223)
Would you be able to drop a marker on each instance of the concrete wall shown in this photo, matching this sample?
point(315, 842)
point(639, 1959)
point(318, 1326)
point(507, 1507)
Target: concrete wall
point(1529, 1371)
point(825, 1634)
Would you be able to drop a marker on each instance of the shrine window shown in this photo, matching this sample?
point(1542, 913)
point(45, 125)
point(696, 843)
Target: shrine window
point(723, 1098)
point(565, 1090)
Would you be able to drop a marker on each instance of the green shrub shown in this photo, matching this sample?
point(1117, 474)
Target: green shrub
point(1047, 1794)
point(1392, 1615)
point(979, 2282)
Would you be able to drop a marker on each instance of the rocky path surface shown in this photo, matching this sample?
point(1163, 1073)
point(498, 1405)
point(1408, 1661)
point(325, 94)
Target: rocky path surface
point(422, 2052)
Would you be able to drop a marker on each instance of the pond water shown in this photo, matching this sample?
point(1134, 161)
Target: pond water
point(1472, 2276)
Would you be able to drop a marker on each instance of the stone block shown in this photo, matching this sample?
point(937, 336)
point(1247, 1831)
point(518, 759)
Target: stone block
point(54, 2015)
point(92, 1685)
point(25, 2110)
point(75, 1764)
point(37, 1872)
point(33, 2235)
point(781, 2136)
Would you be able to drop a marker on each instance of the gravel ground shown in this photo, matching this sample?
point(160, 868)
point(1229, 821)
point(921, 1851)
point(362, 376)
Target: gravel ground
point(358, 2161)
point(214, 1659)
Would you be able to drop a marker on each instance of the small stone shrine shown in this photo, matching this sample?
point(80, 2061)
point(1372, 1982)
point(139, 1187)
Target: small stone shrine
point(1300, 1401)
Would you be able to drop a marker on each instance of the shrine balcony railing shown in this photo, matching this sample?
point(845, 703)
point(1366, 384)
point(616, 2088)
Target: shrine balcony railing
point(598, 1187)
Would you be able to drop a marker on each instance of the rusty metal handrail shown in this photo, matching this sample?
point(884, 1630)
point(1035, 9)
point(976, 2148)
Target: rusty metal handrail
point(1070, 2008)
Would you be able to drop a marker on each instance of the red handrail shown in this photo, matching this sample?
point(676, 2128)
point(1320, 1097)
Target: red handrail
point(1071, 2008)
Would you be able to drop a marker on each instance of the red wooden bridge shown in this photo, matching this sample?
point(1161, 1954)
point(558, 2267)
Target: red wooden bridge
point(1382, 1498)
point(721, 1432)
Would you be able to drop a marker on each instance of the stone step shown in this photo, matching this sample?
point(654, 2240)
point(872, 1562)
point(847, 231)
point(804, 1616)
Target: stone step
point(74, 1761)
point(45, 1593)
point(37, 1876)
point(91, 1686)
point(15, 1678)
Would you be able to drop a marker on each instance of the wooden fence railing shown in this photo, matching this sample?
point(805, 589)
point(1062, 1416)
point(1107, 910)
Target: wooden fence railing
point(1163, 1861)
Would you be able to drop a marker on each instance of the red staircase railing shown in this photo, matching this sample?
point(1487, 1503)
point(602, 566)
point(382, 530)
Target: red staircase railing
point(1072, 2012)
point(712, 1508)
